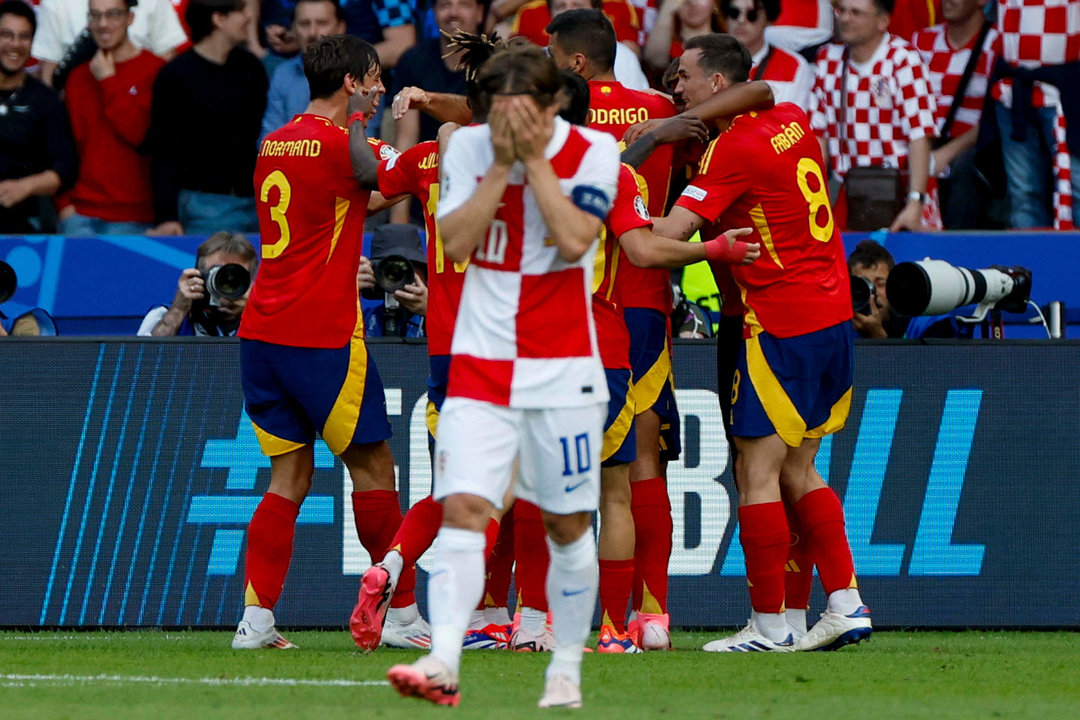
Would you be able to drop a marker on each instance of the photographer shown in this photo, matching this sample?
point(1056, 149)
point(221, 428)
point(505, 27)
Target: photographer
point(395, 296)
point(874, 317)
point(197, 309)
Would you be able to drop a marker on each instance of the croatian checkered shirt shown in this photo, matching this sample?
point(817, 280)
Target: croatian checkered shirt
point(1036, 33)
point(525, 335)
point(889, 105)
point(946, 67)
point(392, 13)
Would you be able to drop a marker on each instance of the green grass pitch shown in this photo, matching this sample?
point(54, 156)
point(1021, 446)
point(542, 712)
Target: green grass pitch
point(195, 676)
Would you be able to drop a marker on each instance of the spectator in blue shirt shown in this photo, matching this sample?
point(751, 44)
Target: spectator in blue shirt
point(289, 93)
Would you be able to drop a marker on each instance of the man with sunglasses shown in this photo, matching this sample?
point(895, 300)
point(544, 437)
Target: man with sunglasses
point(787, 72)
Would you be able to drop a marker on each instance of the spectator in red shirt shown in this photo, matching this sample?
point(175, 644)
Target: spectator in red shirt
point(108, 102)
point(677, 22)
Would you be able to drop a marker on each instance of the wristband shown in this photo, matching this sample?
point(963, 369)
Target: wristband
point(717, 250)
point(356, 117)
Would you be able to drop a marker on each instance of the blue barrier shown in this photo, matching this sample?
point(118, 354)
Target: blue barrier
point(129, 471)
point(104, 286)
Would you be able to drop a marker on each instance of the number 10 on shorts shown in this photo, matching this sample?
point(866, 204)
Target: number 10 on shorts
point(580, 446)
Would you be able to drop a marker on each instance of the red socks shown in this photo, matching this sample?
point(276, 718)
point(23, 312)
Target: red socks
point(651, 509)
point(269, 549)
point(616, 583)
point(765, 540)
point(377, 514)
point(822, 519)
point(500, 566)
point(799, 575)
point(531, 551)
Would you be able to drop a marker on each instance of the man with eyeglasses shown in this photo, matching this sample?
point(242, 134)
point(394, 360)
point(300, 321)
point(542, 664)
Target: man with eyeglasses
point(787, 73)
point(108, 101)
point(37, 155)
point(155, 27)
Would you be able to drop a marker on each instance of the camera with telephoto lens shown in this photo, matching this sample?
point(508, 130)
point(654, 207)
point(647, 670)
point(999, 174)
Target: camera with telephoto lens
point(934, 287)
point(863, 292)
point(228, 282)
point(394, 272)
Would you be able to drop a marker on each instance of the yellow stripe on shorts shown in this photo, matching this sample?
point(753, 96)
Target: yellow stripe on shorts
point(647, 390)
point(782, 413)
point(431, 418)
point(272, 445)
point(341, 423)
point(837, 418)
point(616, 434)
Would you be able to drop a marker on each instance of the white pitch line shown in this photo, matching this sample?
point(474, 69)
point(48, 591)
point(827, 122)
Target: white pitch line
point(16, 679)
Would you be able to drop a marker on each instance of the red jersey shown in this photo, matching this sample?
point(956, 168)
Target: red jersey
point(533, 17)
point(109, 120)
point(416, 172)
point(766, 172)
point(613, 109)
point(628, 212)
point(311, 222)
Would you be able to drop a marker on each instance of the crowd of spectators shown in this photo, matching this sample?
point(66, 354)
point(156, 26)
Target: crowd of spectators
point(133, 116)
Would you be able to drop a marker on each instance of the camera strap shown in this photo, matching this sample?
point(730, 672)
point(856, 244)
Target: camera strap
point(961, 88)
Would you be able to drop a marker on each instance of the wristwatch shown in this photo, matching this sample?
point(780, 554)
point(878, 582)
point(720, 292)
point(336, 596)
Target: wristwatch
point(917, 197)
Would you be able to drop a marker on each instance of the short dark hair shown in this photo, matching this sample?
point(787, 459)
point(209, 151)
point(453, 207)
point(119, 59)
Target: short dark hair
point(230, 244)
point(521, 69)
point(721, 53)
point(200, 15)
point(22, 9)
point(771, 7)
point(576, 88)
point(587, 32)
point(339, 12)
point(885, 6)
point(597, 4)
point(329, 59)
point(868, 254)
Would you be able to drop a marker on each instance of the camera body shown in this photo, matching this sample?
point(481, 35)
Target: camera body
point(228, 282)
point(394, 272)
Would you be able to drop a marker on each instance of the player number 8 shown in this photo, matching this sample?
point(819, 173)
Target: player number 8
point(817, 198)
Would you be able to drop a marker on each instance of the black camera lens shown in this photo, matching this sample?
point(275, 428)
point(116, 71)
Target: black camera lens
point(862, 292)
point(8, 282)
point(228, 281)
point(393, 272)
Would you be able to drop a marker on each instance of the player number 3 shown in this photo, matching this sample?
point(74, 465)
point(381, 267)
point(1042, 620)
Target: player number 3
point(277, 180)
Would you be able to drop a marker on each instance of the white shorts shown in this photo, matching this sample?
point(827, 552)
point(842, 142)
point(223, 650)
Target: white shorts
point(559, 451)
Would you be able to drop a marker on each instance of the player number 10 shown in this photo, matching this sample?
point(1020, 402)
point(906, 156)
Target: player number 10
point(581, 454)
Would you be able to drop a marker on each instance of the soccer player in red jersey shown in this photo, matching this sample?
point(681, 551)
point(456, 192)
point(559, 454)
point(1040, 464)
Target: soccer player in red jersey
point(304, 366)
point(793, 377)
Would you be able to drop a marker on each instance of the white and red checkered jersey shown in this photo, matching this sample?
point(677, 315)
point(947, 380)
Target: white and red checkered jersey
point(788, 73)
point(946, 65)
point(889, 105)
point(525, 335)
point(1034, 33)
point(801, 23)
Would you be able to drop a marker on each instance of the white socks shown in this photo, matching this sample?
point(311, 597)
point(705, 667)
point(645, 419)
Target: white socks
point(455, 586)
point(533, 620)
point(393, 562)
point(844, 602)
point(260, 618)
point(571, 590)
point(796, 619)
point(771, 625)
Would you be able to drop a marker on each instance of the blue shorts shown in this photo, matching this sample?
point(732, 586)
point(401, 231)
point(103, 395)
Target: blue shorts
point(438, 379)
point(292, 393)
point(654, 384)
point(620, 440)
point(797, 387)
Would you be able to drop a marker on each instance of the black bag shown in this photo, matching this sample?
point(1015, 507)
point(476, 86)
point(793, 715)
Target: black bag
point(875, 196)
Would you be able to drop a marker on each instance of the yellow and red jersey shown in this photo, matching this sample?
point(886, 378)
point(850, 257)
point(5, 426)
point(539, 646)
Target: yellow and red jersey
point(766, 172)
point(416, 172)
point(311, 222)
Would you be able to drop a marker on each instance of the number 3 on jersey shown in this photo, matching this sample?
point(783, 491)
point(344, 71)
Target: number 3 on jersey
point(277, 180)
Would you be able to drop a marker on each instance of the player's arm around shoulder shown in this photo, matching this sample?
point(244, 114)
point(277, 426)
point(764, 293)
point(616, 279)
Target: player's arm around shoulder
point(467, 206)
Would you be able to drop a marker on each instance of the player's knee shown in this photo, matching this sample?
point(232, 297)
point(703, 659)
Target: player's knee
point(565, 529)
point(371, 466)
point(467, 512)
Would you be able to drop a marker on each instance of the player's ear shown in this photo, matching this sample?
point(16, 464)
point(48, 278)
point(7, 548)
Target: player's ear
point(351, 84)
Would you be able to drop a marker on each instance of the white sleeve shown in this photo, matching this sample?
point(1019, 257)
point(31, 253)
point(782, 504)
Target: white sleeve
point(165, 33)
point(803, 84)
point(49, 45)
point(628, 69)
point(151, 320)
point(459, 171)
